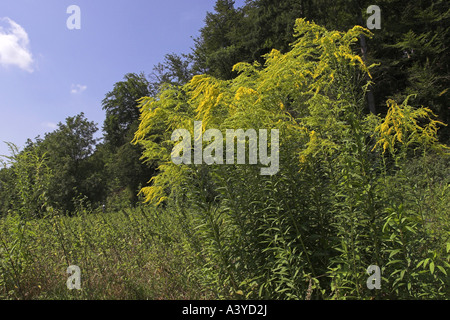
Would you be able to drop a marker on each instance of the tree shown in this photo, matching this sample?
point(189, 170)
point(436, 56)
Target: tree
point(220, 44)
point(411, 48)
point(175, 70)
point(122, 165)
point(125, 173)
point(121, 109)
point(271, 25)
point(68, 149)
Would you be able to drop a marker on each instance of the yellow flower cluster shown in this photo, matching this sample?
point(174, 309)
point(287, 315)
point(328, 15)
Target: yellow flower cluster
point(401, 124)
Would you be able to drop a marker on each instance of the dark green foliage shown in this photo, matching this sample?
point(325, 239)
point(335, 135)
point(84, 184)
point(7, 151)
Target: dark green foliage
point(121, 109)
point(175, 70)
point(219, 47)
point(411, 46)
point(68, 150)
point(123, 171)
point(6, 190)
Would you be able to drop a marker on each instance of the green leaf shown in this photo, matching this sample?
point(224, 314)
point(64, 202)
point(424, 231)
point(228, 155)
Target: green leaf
point(442, 269)
point(411, 229)
point(394, 252)
point(394, 262)
point(402, 274)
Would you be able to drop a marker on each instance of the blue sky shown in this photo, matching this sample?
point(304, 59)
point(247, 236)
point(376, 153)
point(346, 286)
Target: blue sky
point(48, 72)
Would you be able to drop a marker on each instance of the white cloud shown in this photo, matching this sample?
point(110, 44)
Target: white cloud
point(14, 45)
point(50, 125)
point(78, 88)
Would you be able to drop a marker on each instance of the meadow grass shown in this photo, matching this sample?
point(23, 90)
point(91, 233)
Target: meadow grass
point(130, 254)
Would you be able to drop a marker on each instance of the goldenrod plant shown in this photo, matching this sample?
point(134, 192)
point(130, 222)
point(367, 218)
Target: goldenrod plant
point(353, 192)
point(329, 213)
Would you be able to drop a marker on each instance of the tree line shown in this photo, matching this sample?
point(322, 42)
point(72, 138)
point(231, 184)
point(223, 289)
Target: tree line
point(69, 167)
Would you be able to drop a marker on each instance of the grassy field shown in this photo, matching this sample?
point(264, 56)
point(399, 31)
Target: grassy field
point(130, 254)
point(210, 252)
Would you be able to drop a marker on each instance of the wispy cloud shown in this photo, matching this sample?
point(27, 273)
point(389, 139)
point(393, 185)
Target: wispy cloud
point(77, 88)
point(50, 125)
point(14, 45)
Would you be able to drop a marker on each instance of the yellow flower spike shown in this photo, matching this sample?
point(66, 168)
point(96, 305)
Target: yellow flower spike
point(302, 158)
